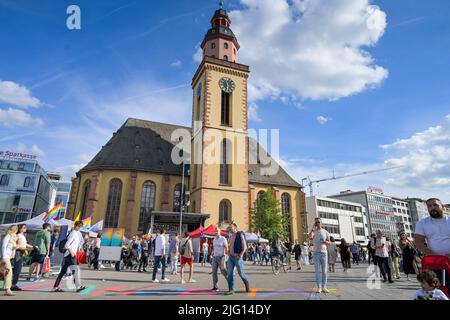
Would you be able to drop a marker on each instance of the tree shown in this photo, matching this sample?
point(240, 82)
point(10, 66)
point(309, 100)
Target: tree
point(266, 217)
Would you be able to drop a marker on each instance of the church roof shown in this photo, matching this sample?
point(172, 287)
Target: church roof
point(142, 145)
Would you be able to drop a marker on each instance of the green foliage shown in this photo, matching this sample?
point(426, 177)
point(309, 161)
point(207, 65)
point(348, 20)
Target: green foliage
point(266, 217)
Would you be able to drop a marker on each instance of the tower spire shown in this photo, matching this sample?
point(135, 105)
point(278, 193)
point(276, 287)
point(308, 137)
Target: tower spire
point(221, 4)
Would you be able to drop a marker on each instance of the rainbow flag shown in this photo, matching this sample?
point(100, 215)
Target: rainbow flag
point(86, 224)
point(53, 214)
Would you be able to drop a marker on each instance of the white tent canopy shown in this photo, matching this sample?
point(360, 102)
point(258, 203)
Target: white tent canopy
point(97, 227)
point(252, 237)
point(35, 224)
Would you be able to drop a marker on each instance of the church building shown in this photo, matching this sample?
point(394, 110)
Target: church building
point(135, 181)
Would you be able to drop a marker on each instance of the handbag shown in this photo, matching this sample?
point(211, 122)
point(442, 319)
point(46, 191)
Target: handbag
point(3, 271)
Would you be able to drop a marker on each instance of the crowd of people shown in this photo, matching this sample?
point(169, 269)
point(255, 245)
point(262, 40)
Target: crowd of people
point(432, 237)
point(160, 252)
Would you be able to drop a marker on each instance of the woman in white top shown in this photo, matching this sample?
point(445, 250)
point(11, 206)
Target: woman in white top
point(22, 246)
point(305, 254)
point(332, 255)
point(205, 250)
point(9, 245)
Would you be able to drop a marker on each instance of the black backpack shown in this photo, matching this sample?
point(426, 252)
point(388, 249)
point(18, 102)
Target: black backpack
point(183, 247)
point(62, 244)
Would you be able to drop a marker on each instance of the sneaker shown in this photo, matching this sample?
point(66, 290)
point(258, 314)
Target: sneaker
point(183, 281)
point(192, 281)
point(215, 289)
point(81, 288)
point(391, 281)
point(318, 290)
point(165, 280)
point(15, 288)
point(230, 293)
point(155, 281)
point(325, 290)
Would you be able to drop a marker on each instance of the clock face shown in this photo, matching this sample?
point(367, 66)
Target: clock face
point(227, 85)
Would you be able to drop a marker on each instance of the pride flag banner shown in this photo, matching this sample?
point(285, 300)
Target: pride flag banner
point(53, 213)
point(86, 224)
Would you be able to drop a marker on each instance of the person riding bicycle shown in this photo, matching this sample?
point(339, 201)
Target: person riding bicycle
point(278, 248)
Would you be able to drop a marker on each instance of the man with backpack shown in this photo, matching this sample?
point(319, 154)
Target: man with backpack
point(41, 250)
point(237, 247)
point(70, 247)
point(187, 257)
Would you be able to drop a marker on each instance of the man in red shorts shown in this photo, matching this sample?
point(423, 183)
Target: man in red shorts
point(187, 257)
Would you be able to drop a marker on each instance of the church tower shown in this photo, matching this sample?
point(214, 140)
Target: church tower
point(219, 158)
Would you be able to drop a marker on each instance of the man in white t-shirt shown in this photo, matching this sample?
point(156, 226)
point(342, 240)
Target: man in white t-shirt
point(160, 257)
point(321, 238)
point(220, 249)
point(435, 230)
point(73, 244)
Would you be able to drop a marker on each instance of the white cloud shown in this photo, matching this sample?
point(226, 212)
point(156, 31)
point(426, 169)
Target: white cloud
point(311, 48)
point(18, 118)
point(198, 55)
point(176, 64)
point(17, 95)
point(425, 157)
point(253, 112)
point(322, 120)
point(20, 147)
point(37, 151)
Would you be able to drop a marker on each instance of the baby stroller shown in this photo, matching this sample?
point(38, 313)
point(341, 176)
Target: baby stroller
point(441, 266)
point(128, 260)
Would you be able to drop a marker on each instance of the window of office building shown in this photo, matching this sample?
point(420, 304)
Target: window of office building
point(331, 228)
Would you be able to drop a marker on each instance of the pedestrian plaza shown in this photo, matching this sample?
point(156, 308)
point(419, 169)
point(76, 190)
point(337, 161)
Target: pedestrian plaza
point(108, 284)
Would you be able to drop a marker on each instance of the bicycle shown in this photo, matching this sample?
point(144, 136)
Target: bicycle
point(277, 265)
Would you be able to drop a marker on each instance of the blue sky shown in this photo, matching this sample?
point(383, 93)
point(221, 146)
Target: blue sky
point(359, 86)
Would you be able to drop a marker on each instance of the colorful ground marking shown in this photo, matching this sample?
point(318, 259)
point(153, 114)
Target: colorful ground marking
point(199, 292)
point(289, 292)
point(112, 289)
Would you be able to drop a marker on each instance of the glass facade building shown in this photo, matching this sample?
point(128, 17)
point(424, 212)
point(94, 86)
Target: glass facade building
point(25, 190)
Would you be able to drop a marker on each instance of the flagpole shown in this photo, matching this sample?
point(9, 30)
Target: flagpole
point(182, 202)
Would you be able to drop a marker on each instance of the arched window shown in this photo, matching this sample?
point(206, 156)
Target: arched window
point(261, 195)
point(286, 210)
point(177, 197)
point(225, 57)
point(86, 191)
point(225, 211)
point(225, 163)
point(225, 116)
point(113, 205)
point(147, 202)
point(213, 45)
point(286, 204)
point(225, 45)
